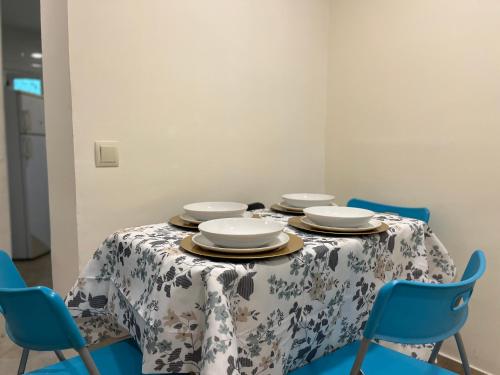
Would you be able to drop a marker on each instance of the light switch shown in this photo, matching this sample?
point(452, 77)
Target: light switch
point(106, 154)
point(109, 154)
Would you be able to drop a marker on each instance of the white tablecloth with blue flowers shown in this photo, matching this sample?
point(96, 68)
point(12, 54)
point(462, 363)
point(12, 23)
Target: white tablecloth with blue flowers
point(192, 314)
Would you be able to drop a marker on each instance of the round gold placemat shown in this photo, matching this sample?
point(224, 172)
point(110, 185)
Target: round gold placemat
point(297, 223)
point(178, 222)
point(277, 208)
point(295, 244)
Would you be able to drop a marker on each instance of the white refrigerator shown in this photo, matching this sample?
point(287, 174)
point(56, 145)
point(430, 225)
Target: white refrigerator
point(29, 191)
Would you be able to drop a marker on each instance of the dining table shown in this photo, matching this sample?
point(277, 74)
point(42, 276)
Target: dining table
point(193, 314)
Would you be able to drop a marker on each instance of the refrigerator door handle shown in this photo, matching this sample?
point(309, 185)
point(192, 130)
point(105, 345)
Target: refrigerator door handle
point(27, 148)
point(25, 121)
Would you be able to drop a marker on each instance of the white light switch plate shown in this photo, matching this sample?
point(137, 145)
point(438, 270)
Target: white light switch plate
point(106, 154)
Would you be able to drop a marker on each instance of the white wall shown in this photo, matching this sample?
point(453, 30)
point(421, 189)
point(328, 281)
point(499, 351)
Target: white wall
point(59, 139)
point(204, 96)
point(414, 112)
point(5, 235)
point(221, 100)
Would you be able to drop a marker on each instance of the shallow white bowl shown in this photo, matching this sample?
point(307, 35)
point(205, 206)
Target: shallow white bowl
point(241, 232)
point(203, 211)
point(340, 217)
point(304, 200)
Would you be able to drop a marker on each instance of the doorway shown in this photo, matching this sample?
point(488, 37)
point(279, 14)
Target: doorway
point(25, 136)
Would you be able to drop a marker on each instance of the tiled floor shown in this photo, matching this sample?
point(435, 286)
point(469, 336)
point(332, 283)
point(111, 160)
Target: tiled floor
point(34, 272)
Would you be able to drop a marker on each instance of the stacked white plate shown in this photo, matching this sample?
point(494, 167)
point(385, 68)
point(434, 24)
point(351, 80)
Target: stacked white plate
point(240, 235)
point(299, 201)
point(197, 213)
point(340, 219)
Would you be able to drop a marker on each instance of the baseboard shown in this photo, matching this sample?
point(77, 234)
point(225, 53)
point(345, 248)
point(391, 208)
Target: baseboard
point(453, 364)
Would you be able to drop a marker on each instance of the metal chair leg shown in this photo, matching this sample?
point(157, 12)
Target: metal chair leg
point(363, 348)
point(463, 354)
point(88, 361)
point(24, 360)
point(59, 355)
point(435, 352)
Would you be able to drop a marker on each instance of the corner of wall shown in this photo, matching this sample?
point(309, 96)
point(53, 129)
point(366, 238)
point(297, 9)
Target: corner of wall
point(60, 147)
point(5, 226)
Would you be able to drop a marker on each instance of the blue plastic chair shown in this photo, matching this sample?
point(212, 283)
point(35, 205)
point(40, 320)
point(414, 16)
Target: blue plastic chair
point(37, 319)
point(419, 213)
point(407, 312)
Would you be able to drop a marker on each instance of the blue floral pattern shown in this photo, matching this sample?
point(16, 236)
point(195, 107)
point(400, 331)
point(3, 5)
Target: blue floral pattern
point(192, 314)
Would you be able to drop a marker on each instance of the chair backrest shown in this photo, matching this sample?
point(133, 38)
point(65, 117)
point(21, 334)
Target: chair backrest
point(36, 318)
point(419, 213)
point(411, 312)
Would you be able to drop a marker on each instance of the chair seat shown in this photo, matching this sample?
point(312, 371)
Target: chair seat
point(378, 361)
point(123, 357)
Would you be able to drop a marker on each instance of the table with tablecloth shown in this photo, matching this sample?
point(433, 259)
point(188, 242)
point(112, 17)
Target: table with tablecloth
point(194, 314)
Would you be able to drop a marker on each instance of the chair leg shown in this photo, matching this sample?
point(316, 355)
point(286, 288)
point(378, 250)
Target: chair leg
point(463, 354)
point(435, 352)
point(363, 348)
point(59, 355)
point(24, 360)
point(88, 361)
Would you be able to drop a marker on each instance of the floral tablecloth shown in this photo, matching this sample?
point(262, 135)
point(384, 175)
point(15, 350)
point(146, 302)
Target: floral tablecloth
point(191, 314)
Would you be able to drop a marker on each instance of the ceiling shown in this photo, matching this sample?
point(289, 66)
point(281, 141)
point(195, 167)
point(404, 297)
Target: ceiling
point(23, 14)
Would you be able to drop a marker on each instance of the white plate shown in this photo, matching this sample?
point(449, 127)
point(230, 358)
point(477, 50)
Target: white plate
point(203, 242)
point(296, 209)
point(372, 224)
point(189, 219)
point(303, 200)
point(290, 208)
